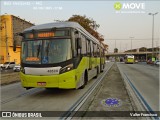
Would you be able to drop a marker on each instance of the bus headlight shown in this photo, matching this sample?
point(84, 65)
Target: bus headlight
point(66, 68)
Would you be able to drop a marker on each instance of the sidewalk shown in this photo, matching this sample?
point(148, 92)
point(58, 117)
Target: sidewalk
point(9, 78)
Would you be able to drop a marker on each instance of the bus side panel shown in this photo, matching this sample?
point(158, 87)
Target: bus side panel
point(67, 80)
point(83, 65)
point(93, 62)
point(98, 61)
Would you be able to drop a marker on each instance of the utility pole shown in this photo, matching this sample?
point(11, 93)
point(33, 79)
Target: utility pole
point(115, 43)
point(126, 47)
point(157, 49)
point(120, 47)
point(131, 42)
point(153, 14)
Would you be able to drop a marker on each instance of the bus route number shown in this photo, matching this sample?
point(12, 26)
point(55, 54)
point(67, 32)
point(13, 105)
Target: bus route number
point(32, 59)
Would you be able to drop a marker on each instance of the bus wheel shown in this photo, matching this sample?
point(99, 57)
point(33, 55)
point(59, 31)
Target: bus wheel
point(97, 72)
point(85, 80)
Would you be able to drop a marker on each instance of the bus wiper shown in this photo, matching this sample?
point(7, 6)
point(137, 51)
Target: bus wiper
point(38, 50)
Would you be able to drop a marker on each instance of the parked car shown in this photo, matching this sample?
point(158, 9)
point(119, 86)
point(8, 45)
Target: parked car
point(16, 68)
point(107, 61)
point(8, 65)
point(156, 61)
point(1, 66)
point(136, 61)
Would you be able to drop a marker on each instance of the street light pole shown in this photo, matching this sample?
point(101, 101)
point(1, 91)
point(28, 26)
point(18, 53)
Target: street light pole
point(153, 14)
point(115, 43)
point(131, 42)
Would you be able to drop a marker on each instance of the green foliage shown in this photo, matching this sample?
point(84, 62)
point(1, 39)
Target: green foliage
point(115, 50)
point(150, 56)
point(88, 24)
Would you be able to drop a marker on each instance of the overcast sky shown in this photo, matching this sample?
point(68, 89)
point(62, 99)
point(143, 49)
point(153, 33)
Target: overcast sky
point(114, 26)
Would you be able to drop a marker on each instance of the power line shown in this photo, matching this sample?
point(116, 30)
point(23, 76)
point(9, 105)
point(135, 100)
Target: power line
point(132, 39)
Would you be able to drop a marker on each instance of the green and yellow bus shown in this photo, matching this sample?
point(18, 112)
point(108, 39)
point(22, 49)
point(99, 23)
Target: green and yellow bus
point(59, 55)
point(129, 59)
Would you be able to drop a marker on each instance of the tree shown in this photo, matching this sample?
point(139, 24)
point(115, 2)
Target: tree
point(115, 50)
point(88, 24)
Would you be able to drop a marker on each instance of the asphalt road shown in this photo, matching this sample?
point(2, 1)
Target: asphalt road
point(145, 78)
point(16, 98)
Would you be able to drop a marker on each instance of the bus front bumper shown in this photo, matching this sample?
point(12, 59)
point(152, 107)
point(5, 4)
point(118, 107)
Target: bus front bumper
point(65, 80)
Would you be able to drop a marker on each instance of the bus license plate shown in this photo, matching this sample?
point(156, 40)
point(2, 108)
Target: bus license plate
point(41, 83)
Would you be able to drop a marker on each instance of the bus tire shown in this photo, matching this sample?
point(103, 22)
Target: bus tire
point(97, 72)
point(85, 80)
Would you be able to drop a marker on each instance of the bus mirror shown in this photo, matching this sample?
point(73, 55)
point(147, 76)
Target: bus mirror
point(79, 43)
point(76, 32)
point(20, 34)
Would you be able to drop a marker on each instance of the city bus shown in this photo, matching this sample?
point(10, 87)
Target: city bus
point(59, 55)
point(129, 59)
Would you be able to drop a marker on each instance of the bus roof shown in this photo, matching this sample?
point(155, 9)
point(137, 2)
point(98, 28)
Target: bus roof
point(130, 56)
point(63, 25)
point(54, 25)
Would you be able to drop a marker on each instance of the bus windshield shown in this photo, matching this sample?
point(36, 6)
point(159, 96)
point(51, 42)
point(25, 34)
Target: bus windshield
point(46, 51)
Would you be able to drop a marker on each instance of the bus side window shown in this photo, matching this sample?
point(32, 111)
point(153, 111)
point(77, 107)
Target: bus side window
point(77, 35)
point(95, 49)
point(86, 47)
point(74, 47)
point(78, 51)
point(103, 53)
point(89, 48)
point(83, 51)
point(91, 44)
point(98, 51)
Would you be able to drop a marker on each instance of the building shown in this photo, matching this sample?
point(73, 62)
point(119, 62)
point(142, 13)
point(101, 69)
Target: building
point(144, 49)
point(9, 28)
point(156, 52)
